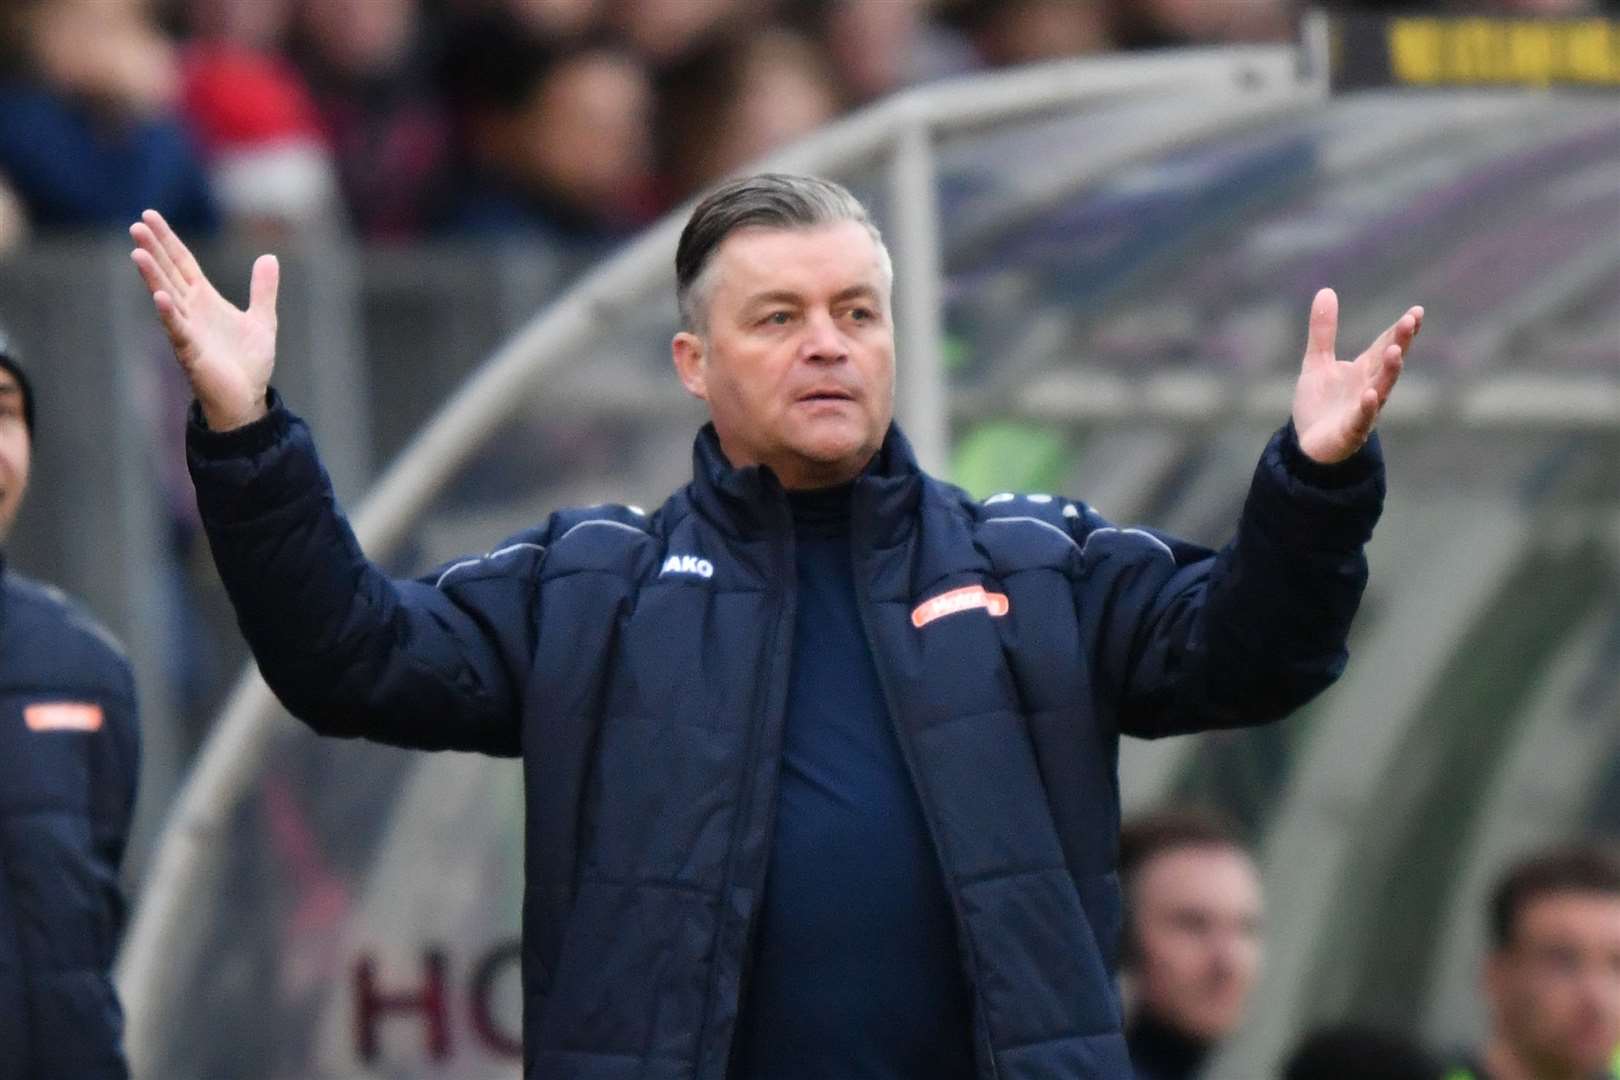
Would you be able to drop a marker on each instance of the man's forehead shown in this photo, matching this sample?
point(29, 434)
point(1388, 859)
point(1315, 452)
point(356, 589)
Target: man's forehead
point(1571, 910)
point(8, 383)
point(1183, 873)
point(769, 259)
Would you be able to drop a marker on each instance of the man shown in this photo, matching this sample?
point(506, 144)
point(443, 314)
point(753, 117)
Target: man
point(1192, 939)
point(820, 756)
point(68, 749)
point(1552, 976)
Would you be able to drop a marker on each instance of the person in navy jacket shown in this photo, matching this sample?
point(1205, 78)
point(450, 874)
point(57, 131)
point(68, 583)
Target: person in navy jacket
point(68, 764)
point(820, 756)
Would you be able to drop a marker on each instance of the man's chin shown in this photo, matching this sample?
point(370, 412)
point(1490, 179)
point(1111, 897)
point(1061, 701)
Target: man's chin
point(826, 434)
point(836, 451)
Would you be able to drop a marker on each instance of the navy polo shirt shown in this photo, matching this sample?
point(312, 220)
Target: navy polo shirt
point(856, 972)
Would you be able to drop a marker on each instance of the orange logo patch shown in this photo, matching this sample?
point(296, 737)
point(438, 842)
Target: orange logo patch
point(63, 716)
point(963, 599)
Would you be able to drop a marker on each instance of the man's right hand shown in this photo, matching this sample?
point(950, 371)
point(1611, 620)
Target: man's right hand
point(226, 353)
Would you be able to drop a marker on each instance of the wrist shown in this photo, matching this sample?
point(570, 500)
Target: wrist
point(1343, 472)
point(222, 419)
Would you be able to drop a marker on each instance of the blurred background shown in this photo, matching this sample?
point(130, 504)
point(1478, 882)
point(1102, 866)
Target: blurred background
point(1108, 218)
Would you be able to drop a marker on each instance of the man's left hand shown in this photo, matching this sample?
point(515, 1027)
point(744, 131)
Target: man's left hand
point(1336, 404)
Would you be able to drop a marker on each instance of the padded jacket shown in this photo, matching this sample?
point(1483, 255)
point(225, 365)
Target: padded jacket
point(68, 762)
point(638, 665)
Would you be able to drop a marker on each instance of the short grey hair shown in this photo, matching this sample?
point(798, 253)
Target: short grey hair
point(769, 201)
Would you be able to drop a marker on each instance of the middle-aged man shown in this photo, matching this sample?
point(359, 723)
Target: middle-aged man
point(1192, 939)
point(68, 763)
point(820, 757)
point(1552, 976)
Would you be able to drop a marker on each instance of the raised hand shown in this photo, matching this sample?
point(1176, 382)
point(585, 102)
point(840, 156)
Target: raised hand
point(226, 353)
point(1336, 404)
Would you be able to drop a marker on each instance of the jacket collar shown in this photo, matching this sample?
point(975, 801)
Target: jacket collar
point(749, 502)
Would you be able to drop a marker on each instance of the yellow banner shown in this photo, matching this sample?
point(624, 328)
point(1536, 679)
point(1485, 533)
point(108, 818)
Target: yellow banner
point(1477, 51)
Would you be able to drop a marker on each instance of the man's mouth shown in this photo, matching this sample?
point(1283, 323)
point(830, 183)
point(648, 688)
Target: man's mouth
point(828, 395)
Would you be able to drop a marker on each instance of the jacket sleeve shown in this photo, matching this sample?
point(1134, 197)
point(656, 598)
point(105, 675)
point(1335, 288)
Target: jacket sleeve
point(434, 663)
point(1189, 639)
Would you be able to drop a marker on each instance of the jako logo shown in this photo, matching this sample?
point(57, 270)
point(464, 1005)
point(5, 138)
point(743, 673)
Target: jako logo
point(687, 564)
point(963, 599)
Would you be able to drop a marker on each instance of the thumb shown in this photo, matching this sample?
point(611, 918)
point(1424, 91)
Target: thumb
point(1324, 326)
point(266, 282)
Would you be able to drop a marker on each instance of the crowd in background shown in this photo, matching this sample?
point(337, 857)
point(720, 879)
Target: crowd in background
point(568, 122)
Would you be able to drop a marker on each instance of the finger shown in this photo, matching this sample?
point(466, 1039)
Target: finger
point(266, 284)
point(1401, 331)
point(1324, 325)
point(1392, 334)
point(178, 253)
point(1361, 422)
point(1404, 330)
point(174, 321)
point(1383, 381)
point(152, 273)
point(149, 244)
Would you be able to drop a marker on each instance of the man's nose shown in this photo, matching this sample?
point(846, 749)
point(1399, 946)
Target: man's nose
point(823, 342)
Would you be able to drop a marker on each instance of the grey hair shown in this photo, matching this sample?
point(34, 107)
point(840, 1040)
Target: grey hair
point(770, 201)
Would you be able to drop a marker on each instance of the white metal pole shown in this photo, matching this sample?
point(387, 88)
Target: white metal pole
point(920, 391)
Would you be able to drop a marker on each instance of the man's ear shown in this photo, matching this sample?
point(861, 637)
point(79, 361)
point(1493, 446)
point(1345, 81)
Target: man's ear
point(689, 354)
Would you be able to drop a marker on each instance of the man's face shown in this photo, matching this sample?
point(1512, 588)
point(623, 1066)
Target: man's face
point(797, 359)
point(1555, 988)
point(14, 452)
point(1196, 912)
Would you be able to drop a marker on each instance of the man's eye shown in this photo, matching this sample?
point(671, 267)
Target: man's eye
point(861, 314)
point(778, 318)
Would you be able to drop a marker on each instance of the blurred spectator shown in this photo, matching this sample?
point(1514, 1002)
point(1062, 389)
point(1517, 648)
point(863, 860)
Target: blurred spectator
point(877, 49)
point(1192, 939)
point(735, 104)
point(666, 33)
point(255, 118)
point(88, 130)
point(557, 138)
point(1158, 24)
point(365, 62)
point(549, 20)
point(1552, 974)
point(261, 25)
point(261, 135)
point(1027, 31)
point(1353, 1052)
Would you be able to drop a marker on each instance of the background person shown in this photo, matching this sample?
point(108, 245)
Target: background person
point(1552, 975)
point(1192, 952)
point(69, 746)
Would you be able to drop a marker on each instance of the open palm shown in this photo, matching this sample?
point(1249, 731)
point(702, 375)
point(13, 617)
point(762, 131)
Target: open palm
point(1337, 403)
point(226, 353)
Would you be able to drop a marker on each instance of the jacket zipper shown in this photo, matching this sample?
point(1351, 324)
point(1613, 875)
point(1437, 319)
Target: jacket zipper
point(863, 602)
point(776, 704)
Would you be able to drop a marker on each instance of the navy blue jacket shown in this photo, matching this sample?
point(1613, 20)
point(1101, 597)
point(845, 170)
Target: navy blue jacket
point(639, 666)
point(68, 762)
